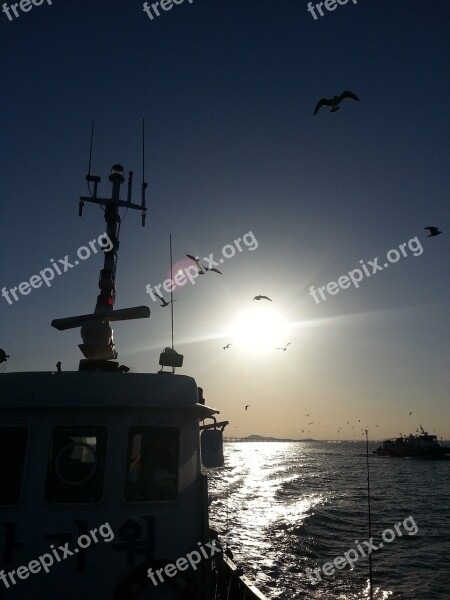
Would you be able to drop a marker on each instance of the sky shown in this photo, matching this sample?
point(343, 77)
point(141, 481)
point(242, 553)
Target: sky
point(233, 152)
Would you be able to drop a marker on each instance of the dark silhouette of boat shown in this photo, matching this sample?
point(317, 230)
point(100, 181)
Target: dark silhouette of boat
point(413, 446)
point(106, 445)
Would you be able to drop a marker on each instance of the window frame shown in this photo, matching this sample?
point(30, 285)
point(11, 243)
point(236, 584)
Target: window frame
point(23, 476)
point(129, 447)
point(102, 434)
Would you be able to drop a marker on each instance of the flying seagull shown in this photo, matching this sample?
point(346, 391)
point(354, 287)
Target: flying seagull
point(247, 405)
point(335, 101)
point(213, 269)
point(262, 298)
point(284, 347)
point(433, 231)
point(197, 262)
point(227, 346)
point(163, 302)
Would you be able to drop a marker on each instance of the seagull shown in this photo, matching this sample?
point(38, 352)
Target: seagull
point(262, 298)
point(197, 262)
point(335, 101)
point(247, 405)
point(284, 347)
point(163, 302)
point(213, 269)
point(410, 413)
point(227, 346)
point(433, 231)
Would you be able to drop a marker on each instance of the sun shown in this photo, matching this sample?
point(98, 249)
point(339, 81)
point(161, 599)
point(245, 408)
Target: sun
point(259, 329)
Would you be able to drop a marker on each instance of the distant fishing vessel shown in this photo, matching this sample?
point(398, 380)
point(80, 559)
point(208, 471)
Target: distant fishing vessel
point(413, 446)
point(101, 470)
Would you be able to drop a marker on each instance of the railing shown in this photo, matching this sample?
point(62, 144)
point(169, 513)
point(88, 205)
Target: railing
point(232, 584)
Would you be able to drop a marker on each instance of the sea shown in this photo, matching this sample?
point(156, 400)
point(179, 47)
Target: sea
point(294, 506)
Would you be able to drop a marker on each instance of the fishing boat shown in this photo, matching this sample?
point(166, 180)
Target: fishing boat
point(422, 445)
point(103, 472)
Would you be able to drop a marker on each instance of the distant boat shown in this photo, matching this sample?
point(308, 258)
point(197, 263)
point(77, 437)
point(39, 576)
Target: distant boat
point(413, 446)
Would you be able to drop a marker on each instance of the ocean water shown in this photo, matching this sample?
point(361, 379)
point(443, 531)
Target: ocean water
point(297, 506)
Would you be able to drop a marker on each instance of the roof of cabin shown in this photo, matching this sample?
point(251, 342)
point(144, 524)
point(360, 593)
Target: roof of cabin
point(100, 389)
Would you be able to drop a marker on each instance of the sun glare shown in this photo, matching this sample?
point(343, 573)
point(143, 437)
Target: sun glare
point(259, 329)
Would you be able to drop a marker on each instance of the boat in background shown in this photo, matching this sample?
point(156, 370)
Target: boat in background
point(422, 445)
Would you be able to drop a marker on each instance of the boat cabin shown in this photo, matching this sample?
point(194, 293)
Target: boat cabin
point(106, 465)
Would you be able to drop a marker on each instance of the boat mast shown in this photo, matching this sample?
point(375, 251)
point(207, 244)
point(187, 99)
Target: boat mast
point(96, 333)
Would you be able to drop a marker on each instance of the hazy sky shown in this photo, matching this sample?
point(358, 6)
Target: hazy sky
point(228, 90)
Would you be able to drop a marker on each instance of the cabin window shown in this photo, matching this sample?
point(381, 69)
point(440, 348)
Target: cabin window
point(76, 465)
point(152, 464)
point(13, 443)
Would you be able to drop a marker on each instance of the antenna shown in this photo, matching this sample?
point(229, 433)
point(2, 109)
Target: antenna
point(90, 178)
point(144, 184)
point(90, 150)
point(370, 516)
point(96, 333)
point(170, 357)
point(171, 287)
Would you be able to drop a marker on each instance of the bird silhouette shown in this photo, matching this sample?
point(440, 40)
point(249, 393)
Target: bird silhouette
point(227, 346)
point(197, 262)
point(284, 347)
point(433, 231)
point(213, 269)
point(163, 302)
point(262, 298)
point(335, 101)
point(247, 405)
point(410, 413)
